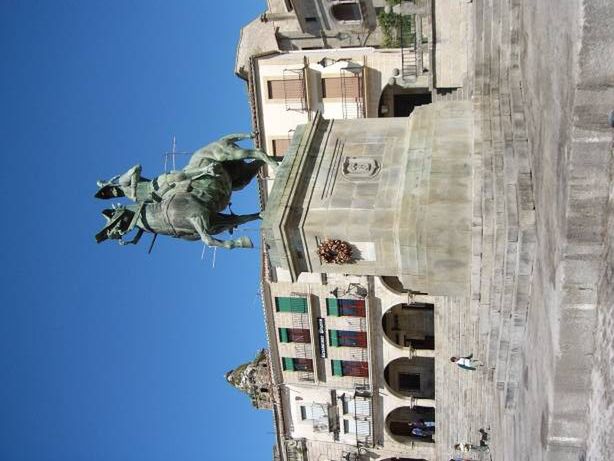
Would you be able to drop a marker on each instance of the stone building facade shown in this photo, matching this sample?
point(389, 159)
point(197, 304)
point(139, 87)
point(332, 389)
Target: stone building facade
point(353, 354)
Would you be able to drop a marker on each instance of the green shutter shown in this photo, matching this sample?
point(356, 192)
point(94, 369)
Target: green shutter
point(298, 305)
point(337, 368)
point(288, 364)
point(283, 335)
point(333, 338)
point(332, 307)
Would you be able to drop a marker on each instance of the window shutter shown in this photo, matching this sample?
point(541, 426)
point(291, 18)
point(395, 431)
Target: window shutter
point(276, 89)
point(291, 88)
point(349, 426)
point(337, 368)
point(333, 338)
point(298, 335)
point(351, 307)
point(363, 427)
point(283, 335)
point(296, 305)
point(280, 146)
point(333, 87)
point(332, 307)
point(352, 338)
point(288, 364)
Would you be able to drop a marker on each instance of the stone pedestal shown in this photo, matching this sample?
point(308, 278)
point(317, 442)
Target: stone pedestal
point(398, 190)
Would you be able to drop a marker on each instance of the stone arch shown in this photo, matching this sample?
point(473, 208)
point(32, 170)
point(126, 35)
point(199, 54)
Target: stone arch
point(411, 377)
point(404, 459)
point(346, 12)
point(410, 325)
point(396, 101)
point(401, 422)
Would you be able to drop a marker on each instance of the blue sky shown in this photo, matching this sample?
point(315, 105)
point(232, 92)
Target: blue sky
point(108, 353)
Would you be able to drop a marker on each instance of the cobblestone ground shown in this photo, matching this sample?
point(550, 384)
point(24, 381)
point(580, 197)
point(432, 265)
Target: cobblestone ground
point(600, 441)
point(561, 42)
point(565, 50)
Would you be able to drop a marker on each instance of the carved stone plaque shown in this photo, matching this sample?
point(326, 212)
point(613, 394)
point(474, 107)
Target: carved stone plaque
point(360, 168)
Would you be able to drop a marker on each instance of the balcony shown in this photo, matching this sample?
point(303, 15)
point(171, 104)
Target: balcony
point(293, 87)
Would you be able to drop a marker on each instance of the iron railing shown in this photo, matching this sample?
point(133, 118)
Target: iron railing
point(407, 38)
point(303, 350)
point(294, 89)
point(352, 93)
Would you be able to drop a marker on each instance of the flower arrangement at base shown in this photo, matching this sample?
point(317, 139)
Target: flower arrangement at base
point(335, 251)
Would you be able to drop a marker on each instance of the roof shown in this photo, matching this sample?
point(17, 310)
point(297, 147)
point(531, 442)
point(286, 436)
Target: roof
point(256, 38)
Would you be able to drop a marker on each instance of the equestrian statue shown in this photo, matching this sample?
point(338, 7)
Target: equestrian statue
point(188, 203)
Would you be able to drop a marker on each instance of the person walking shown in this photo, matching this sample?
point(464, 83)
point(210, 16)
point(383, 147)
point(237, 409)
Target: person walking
point(467, 362)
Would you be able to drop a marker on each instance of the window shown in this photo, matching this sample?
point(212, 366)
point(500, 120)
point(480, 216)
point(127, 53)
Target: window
point(345, 307)
point(409, 382)
point(314, 412)
point(280, 146)
point(296, 305)
point(336, 87)
point(294, 335)
point(343, 338)
point(349, 426)
point(293, 364)
point(359, 407)
point(350, 368)
point(290, 88)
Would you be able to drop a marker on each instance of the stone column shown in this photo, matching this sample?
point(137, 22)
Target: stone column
point(414, 298)
point(427, 353)
point(416, 402)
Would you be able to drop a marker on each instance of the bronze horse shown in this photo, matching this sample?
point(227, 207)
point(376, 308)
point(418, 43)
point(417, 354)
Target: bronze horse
point(185, 204)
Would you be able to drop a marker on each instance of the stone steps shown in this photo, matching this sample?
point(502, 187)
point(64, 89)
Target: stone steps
point(492, 323)
point(515, 192)
point(508, 222)
point(456, 94)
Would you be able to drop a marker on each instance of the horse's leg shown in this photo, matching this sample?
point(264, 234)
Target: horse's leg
point(228, 222)
point(234, 137)
point(257, 154)
point(210, 151)
point(224, 152)
point(201, 225)
point(242, 172)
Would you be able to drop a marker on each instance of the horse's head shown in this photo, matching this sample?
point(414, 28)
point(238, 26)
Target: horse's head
point(108, 189)
point(118, 222)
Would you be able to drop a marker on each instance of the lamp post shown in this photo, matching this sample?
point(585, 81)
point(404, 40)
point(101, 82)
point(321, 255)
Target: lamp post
point(326, 61)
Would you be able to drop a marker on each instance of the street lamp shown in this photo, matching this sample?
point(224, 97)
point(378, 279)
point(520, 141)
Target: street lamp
point(325, 62)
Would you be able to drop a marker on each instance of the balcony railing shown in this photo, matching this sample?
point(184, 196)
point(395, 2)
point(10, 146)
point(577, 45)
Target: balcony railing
point(303, 350)
point(407, 38)
point(352, 93)
point(294, 89)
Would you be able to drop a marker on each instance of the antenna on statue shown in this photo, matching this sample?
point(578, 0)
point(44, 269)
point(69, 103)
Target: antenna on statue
point(174, 151)
point(173, 155)
point(151, 245)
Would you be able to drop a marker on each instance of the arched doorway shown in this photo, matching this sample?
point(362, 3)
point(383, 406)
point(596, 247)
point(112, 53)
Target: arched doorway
point(346, 12)
point(410, 325)
point(412, 377)
point(404, 459)
point(397, 101)
point(402, 424)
